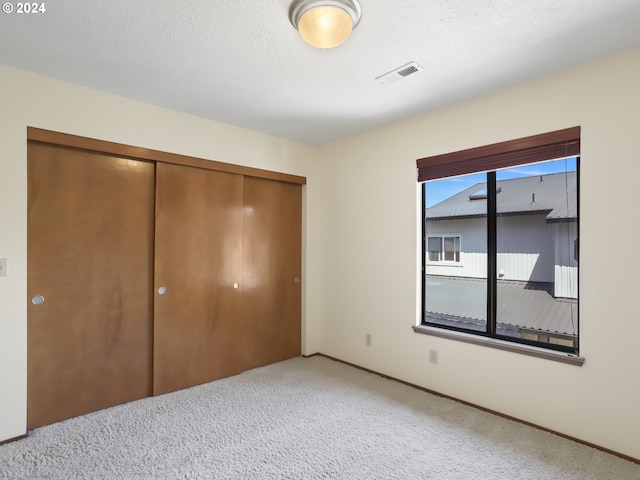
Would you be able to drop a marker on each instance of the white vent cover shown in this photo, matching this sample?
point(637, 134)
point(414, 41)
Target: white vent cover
point(399, 73)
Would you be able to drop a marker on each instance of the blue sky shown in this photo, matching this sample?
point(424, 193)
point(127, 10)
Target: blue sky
point(438, 190)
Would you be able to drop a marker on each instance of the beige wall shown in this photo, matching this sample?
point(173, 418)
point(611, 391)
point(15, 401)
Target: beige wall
point(31, 100)
point(362, 246)
point(371, 247)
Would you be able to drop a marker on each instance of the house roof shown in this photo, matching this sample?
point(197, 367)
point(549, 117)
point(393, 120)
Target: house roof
point(528, 305)
point(554, 194)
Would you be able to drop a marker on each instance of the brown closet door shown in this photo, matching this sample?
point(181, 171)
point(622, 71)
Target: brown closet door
point(271, 270)
point(90, 244)
point(198, 333)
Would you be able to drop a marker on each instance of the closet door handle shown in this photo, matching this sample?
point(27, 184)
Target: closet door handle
point(37, 300)
point(162, 290)
point(297, 279)
point(236, 285)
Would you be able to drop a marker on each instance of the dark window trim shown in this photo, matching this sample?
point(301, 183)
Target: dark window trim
point(537, 148)
point(492, 254)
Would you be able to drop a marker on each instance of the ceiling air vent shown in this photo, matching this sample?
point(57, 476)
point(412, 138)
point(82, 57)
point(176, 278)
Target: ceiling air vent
point(399, 73)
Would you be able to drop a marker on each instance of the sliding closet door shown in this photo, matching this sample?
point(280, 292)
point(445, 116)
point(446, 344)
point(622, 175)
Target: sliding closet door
point(90, 243)
point(271, 268)
point(198, 333)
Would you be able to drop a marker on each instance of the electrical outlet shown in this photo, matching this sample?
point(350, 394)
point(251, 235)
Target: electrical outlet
point(433, 356)
point(367, 339)
point(3, 267)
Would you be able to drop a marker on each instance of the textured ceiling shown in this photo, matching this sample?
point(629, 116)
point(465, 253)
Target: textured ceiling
point(241, 62)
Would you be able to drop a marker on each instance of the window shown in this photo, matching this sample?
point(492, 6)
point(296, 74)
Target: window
point(516, 205)
point(445, 249)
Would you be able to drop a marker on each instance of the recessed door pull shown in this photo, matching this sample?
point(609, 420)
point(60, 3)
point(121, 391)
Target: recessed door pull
point(37, 300)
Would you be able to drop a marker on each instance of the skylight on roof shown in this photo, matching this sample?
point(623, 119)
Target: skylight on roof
point(482, 194)
point(479, 195)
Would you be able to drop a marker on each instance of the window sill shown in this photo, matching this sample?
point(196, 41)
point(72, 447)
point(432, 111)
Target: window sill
point(500, 345)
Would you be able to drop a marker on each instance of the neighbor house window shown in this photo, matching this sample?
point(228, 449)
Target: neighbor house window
point(516, 205)
point(446, 248)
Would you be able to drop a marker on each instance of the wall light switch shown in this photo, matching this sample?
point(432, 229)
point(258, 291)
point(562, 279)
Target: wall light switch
point(3, 267)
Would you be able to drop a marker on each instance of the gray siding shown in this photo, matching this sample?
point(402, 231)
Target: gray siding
point(473, 247)
point(525, 248)
point(566, 266)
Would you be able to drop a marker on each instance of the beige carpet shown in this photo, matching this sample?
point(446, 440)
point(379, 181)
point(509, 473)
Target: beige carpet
point(302, 419)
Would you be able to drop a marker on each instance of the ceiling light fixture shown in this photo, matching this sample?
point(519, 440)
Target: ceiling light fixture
point(325, 23)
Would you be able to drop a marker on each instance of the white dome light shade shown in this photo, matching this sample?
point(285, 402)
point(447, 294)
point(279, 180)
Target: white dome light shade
point(325, 24)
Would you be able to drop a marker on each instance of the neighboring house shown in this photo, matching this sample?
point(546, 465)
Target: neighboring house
point(537, 241)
